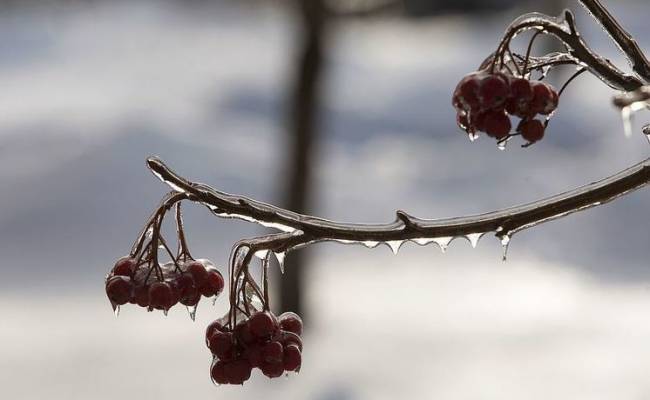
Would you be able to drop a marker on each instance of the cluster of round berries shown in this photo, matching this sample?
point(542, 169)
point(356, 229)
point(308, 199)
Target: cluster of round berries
point(161, 289)
point(263, 341)
point(484, 101)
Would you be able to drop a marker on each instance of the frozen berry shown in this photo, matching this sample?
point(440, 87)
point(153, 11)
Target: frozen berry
point(545, 98)
point(497, 124)
point(272, 370)
point(291, 322)
point(189, 294)
point(198, 272)
point(141, 295)
point(215, 326)
point(494, 91)
point(213, 285)
point(253, 354)
point(118, 289)
point(221, 344)
point(237, 371)
point(161, 296)
point(218, 373)
point(272, 352)
point(289, 338)
point(262, 324)
point(466, 94)
point(292, 358)
point(531, 130)
point(243, 333)
point(125, 266)
point(521, 95)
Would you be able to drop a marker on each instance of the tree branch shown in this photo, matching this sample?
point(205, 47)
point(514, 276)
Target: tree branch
point(621, 37)
point(300, 230)
point(566, 31)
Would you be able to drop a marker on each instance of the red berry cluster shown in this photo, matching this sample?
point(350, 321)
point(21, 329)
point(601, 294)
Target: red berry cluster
point(263, 341)
point(164, 287)
point(485, 101)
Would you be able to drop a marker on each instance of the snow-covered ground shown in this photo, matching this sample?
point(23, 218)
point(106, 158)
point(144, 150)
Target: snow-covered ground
point(87, 92)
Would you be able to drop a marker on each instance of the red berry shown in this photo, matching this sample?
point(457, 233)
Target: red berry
point(272, 352)
point(215, 326)
point(125, 266)
point(141, 295)
point(253, 354)
point(263, 324)
point(494, 91)
point(218, 373)
point(466, 94)
point(272, 370)
point(118, 289)
point(213, 285)
point(545, 98)
point(221, 344)
point(521, 96)
point(291, 322)
point(189, 294)
point(243, 333)
point(237, 371)
point(520, 89)
point(198, 272)
point(531, 130)
point(289, 338)
point(292, 358)
point(497, 124)
point(161, 296)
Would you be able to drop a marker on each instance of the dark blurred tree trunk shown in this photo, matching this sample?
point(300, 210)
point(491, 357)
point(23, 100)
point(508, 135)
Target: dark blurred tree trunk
point(302, 127)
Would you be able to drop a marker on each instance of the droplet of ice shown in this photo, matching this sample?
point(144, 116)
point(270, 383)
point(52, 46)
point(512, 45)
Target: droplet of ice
point(472, 136)
point(505, 242)
point(443, 242)
point(474, 238)
point(501, 145)
point(395, 245)
point(192, 311)
point(370, 244)
point(165, 312)
point(280, 258)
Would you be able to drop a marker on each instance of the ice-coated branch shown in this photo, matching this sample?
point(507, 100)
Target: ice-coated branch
point(299, 230)
point(625, 41)
point(565, 30)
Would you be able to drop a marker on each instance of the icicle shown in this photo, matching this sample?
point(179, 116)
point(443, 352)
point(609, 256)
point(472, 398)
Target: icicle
point(443, 242)
point(192, 311)
point(280, 258)
point(501, 145)
point(395, 245)
point(626, 114)
point(165, 312)
point(505, 242)
point(474, 238)
point(472, 136)
point(116, 309)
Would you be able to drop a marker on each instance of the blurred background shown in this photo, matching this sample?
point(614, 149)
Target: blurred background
point(339, 109)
